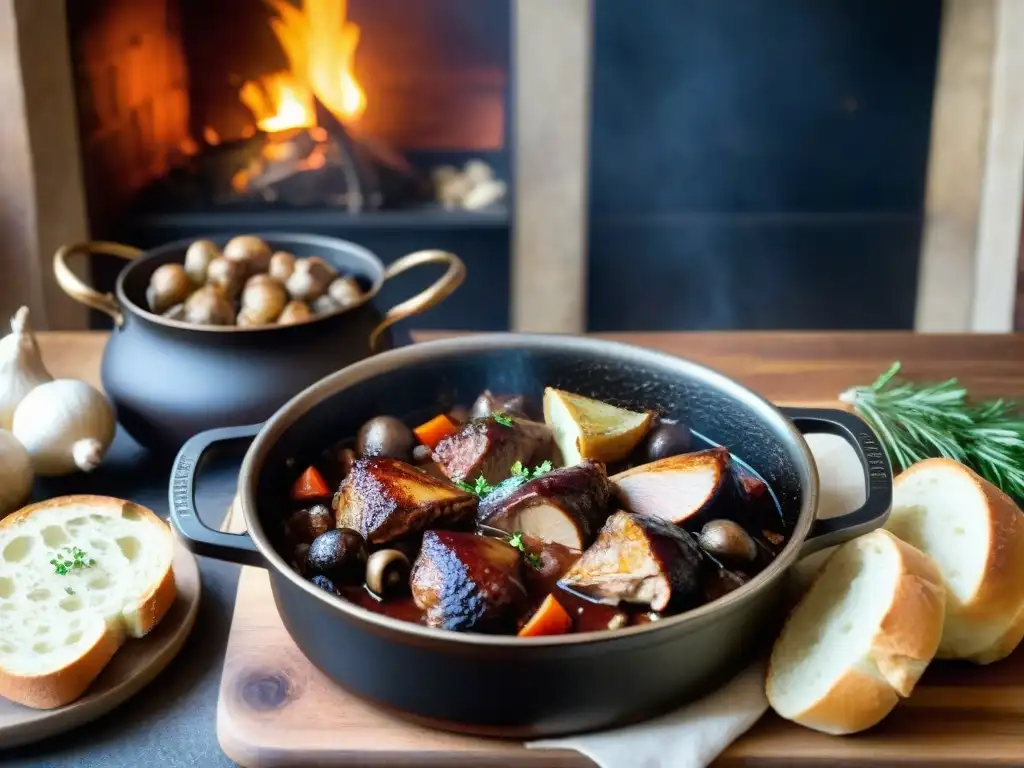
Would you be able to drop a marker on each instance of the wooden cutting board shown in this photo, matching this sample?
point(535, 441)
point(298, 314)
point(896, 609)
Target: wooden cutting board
point(275, 709)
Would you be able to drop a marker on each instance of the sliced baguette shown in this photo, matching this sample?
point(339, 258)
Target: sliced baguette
point(57, 632)
point(860, 638)
point(975, 534)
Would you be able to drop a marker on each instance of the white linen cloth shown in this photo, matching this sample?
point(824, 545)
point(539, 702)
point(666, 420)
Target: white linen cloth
point(694, 735)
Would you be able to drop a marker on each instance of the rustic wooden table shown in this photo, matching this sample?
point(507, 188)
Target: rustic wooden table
point(173, 720)
point(804, 367)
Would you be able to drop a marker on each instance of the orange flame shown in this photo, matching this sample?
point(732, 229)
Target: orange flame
point(320, 44)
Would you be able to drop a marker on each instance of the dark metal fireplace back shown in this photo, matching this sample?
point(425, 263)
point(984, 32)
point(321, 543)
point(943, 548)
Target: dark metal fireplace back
point(759, 164)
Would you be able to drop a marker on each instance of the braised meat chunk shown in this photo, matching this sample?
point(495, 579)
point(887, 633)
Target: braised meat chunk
point(566, 506)
point(465, 582)
point(489, 447)
point(640, 559)
point(386, 499)
point(681, 489)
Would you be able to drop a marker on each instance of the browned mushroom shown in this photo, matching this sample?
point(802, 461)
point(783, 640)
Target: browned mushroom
point(249, 252)
point(726, 540)
point(168, 285)
point(262, 301)
point(345, 291)
point(310, 279)
point(226, 276)
point(208, 306)
point(198, 258)
point(324, 305)
point(294, 312)
point(387, 572)
point(282, 264)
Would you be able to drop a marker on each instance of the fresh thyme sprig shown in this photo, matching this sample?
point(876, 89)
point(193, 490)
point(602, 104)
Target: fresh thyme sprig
point(481, 487)
point(918, 421)
point(516, 540)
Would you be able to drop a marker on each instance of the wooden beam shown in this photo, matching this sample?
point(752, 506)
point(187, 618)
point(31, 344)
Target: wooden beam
point(996, 262)
point(956, 165)
point(552, 74)
point(42, 202)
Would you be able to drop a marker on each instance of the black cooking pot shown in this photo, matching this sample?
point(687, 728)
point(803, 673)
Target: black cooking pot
point(170, 379)
point(513, 686)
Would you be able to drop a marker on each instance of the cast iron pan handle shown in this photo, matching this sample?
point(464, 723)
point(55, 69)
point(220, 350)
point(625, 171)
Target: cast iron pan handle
point(200, 539)
point(877, 475)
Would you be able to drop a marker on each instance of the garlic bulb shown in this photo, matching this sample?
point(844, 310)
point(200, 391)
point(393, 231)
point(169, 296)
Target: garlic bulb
point(21, 366)
point(15, 473)
point(65, 425)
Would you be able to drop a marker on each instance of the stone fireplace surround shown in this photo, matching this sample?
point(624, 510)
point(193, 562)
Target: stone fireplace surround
point(973, 204)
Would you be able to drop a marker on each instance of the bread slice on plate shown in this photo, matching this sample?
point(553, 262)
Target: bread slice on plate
point(975, 534)
point(860, 638)
point(78, 575)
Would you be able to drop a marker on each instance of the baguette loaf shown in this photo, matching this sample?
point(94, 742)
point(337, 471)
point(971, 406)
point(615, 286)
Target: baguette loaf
point(78, 575)
point(860, 638)
point(975, 534)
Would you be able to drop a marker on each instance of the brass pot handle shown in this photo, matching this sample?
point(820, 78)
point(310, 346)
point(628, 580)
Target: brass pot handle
point(425, 299)
point(76, 288)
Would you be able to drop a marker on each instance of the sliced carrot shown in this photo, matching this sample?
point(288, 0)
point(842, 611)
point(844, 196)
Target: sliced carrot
point(434, 431)
point(550, 619)
point(310, 485)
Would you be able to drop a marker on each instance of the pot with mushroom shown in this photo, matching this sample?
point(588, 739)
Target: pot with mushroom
point(223, 331)
point(595, 517)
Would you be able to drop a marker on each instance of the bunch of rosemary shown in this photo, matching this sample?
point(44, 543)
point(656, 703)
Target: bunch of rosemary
point(920, 421)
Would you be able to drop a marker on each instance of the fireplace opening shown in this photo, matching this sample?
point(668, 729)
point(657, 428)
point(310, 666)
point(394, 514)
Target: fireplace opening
point(200, 107)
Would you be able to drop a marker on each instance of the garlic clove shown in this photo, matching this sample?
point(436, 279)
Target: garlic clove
point(15, 473)
point(21, 366)
point(87, 453)
point(65, 425)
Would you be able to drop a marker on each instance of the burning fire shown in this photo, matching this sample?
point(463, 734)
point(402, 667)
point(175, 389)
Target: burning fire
point(320, 44)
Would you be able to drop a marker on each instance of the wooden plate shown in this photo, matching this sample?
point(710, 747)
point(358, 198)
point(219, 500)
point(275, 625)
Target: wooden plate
point(133, 667)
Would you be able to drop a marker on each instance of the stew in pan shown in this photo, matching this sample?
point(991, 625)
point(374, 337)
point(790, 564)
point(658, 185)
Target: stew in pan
point(510, 518)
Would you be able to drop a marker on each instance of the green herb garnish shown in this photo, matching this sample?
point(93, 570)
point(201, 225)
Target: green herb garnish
point(63, 565)
point(531, 474)
point(920, 421)
point(481, 487)
point(516, 540)
point(69, 590)
point(501, 418)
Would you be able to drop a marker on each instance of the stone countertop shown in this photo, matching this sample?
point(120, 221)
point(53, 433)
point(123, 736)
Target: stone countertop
point(172, 722)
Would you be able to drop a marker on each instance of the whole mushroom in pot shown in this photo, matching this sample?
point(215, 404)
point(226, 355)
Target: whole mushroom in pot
point(262, 301)
point(226, 276)
point(294, 312)
point(198, 258)
point(250, 253)
point(282, 264)
point(387, 572)
point(208, 306)
point(345, 291)
point(169, 285)
point(310, 279)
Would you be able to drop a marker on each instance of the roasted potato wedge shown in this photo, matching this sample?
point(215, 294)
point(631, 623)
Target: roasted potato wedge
point(589, 429)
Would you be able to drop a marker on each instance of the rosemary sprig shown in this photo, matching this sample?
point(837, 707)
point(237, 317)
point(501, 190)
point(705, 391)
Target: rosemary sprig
point(918, 421)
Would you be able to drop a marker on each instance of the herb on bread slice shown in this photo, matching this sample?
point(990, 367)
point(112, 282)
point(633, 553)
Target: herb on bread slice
point(975, 534)
point(78, 576)
point(860, 638)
